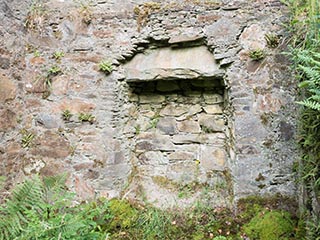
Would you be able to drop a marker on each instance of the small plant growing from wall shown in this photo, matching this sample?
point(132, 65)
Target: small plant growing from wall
point(58, 55)
point(36, 16)
point(143, 12)
point(54, 71)
point(257, 54)
point(86, 117)
point(26, 138)
point(85, 11)
point(36, 53)
point(272, 40)
point(66, 115)
point(105, 66)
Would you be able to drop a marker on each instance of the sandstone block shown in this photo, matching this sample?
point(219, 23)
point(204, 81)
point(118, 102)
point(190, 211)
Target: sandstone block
point(213, 158)
point(189, 126)
point(51, 144)
point(7, 89)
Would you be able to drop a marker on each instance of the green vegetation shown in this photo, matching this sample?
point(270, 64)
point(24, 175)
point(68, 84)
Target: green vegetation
point(26, 138)
point(105, 66)
point(305, 48)
point(43, 208)
point(270, 225)
point(66, 115)
point(257, 54)
point(36, 16)
point(36, 53)
point(86, 117)
point(272, 40)
point(54, 70)
point(57, 55)
point(85, 11)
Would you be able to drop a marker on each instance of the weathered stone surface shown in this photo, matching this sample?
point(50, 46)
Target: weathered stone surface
point(184, 38)
point(52, 145)
point(106, 153)
point(158, 142)
point(189, 126)
point(211, 124)
point(170, 64)
point(182, 156)
point(83, 189)
point(213, 158)
point(48, 121)
point(153, 158)
point(223, 31)
point(8, 120)
point(213, 109)
point(213, 98)
point(188, 138)
point(7, 88)
point(167, 125)
point(75, 105)
point(60, 85)
point(253, 37)
point(4, 62)
point(151, 99)
point(174, 110)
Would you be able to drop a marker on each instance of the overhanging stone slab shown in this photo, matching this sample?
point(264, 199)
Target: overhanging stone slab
point(173, 64)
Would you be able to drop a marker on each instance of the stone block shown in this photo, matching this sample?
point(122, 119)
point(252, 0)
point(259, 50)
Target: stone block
point(181, 156)
point(83, 189)
point(188, 138)
point(8, 120)
point(210, 124)
point(169, 64)
point(7, 88)
point(212, 158)
point(154, 158)
point(189, 126)
point(158, 142)
point(174, 110)
point(167, 125)
point(151, 98)
point(213, 109)
point(213, 98)
point(48, 121)
point(51, 144)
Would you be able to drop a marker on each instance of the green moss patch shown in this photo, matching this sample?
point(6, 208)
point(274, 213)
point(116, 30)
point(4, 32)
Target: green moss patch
point(271, 225)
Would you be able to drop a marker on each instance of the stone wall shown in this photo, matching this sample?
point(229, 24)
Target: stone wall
point(169, 134)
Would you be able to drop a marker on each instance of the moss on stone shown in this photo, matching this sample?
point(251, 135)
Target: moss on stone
point(124, 215)
point(271, 225)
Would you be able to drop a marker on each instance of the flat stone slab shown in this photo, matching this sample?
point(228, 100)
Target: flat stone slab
point(173, 64)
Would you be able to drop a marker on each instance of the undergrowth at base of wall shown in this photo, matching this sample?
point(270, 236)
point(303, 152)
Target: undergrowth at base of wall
point(42, 208)
point(305, 55)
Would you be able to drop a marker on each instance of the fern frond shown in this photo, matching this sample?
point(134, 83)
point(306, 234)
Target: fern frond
point(312, 74)
point(26, 196)
point(310, 104)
